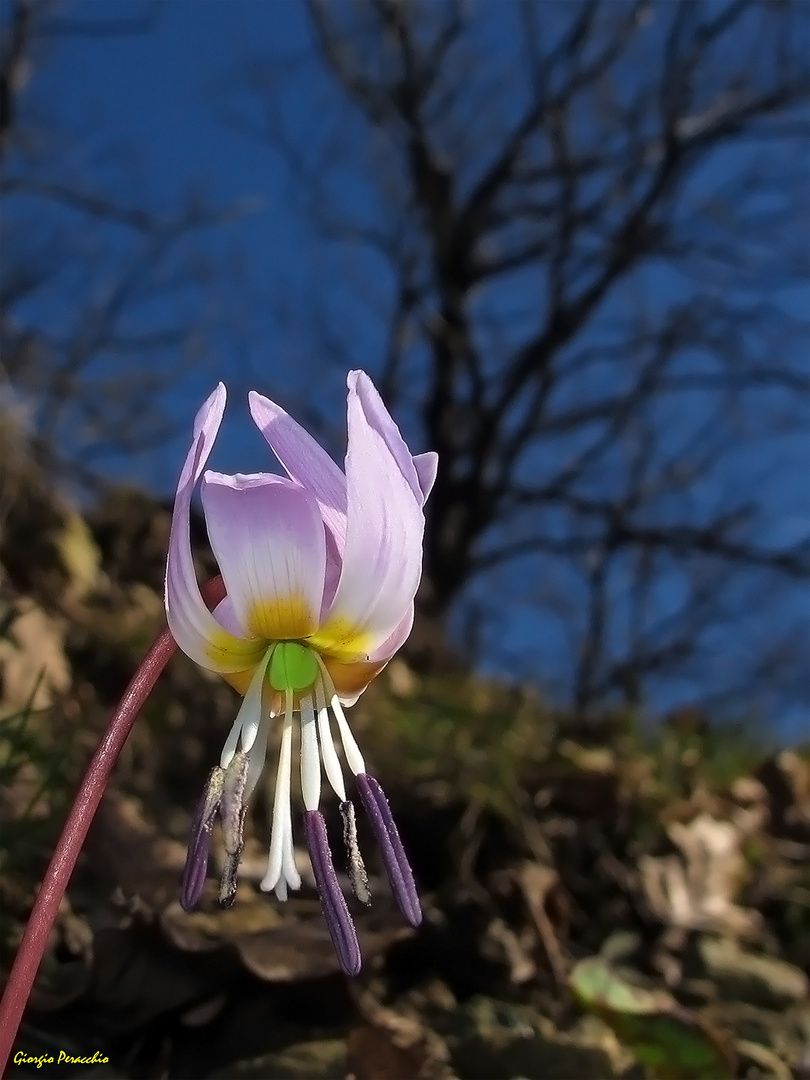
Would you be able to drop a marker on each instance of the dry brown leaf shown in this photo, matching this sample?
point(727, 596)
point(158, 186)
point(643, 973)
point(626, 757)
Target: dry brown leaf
point(276, 943)
point(696, 889)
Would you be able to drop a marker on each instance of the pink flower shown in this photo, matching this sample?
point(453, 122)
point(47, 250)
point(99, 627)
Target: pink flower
point(320, 568)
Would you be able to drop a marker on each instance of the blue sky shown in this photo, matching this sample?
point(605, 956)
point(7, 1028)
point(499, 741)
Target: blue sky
point(153, 132)
point(156, 115)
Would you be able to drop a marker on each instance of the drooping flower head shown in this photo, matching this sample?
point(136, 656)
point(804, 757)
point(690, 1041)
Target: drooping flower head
point(320, 569)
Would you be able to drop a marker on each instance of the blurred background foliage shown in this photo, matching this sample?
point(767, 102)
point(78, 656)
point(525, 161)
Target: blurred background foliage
point(570, 243)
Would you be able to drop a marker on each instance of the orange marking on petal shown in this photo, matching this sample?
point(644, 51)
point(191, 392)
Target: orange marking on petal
point(352, 678)
point(239, 680)
point(282, 618)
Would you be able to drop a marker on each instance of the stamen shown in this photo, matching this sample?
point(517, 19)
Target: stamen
point(257, 757)
point(331, 762)
point(393, 854)
point(229, 749)
point(281, 855)
point(195, 871)
point(251, 710)
point(354, 758)
point(355, 865)
point(246, 725)
point(333, 903)
point(310, 759)
point(228, 882)
point(199, 841)
point(291, 877)
point(232, 814)
point(281, 803)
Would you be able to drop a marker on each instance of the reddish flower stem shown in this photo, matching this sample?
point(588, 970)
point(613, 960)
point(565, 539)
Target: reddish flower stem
point(41, 920)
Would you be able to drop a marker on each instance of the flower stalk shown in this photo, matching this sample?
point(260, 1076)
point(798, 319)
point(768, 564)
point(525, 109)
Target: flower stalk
point(57, 876)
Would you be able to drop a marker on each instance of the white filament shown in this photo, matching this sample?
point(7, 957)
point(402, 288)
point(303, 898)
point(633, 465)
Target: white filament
point(310, 758)
point(281, 854)
point(229, 749)
point(250, 732)
point(354, 759)
point(290, 876)
point(331, 762)
point(248, 719)
point(257, 757)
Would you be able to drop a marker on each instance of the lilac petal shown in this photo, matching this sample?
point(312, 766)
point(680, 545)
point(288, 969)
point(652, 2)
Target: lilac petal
point(199, 841)
point(333, 903)
point(382, 422)
point(334, 564)
point(426, 466)
point(193, 626)
point(393, 854)
point(395, 640)
point(382, 560)
point(269, 541)
point(305, 461)
point(419, 471)
point(225, 614)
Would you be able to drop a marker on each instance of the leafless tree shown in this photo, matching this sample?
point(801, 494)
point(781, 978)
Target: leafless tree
point(580, 231)
point(100, 295)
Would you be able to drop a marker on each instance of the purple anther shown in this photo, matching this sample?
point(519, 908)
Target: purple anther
point(195, 870)
point(393, 854)
point(199, 841)
point(333, 903)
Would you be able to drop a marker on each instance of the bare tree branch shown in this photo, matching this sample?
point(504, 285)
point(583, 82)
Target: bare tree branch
point(592, 232)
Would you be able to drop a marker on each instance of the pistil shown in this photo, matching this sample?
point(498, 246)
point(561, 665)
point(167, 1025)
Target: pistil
point(292, 667)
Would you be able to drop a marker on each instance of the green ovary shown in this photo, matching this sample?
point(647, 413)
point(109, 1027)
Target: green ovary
point(292, 667)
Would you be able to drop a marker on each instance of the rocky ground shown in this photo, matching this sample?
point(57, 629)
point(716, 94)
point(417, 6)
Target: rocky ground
point(601, 900)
